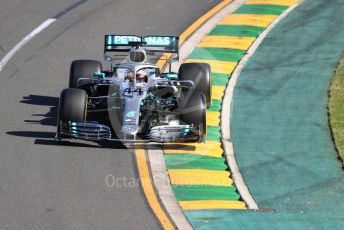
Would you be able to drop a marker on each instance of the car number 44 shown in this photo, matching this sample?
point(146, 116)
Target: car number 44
point(132, 91)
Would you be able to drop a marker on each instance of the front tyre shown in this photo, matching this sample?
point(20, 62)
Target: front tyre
point(192, 111)
point(72, 106)
point(199, 74)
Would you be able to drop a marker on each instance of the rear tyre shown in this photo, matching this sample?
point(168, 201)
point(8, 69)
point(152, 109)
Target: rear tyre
point(72, 106)
point(192, 111)
point(83, 69)
point(199, 73)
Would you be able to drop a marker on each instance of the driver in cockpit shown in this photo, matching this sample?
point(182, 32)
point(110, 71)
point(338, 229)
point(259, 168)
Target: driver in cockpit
point(142, 75)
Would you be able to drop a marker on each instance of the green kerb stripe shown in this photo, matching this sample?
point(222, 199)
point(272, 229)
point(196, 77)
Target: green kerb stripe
point(205, 192)
point(213, 133)
point(215, 105)
point(240, 31)
point(261, 9)
point(219, 79)
point(191, 161)
point(220, 54)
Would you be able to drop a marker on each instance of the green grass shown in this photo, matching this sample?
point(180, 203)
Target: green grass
point(336, 108)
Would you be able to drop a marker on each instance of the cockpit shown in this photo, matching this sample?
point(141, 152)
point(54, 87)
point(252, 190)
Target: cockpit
point(142, 75)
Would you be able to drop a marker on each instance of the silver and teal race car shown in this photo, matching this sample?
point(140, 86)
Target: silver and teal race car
point(133, 101)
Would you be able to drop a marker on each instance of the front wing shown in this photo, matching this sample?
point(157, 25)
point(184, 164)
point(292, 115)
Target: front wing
point(96, 132)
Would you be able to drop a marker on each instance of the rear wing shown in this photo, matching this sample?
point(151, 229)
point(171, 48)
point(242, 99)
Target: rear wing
point(123, 43)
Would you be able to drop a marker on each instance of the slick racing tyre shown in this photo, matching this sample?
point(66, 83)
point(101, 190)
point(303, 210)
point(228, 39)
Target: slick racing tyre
point(199, 73)
point(83, 69)
point(192, 111)
point(72, 105)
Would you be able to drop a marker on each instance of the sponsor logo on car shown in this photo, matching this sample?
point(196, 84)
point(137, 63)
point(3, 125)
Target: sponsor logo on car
point(130, 120)
point(124, 40)
point(157, 41)
point(131, 114)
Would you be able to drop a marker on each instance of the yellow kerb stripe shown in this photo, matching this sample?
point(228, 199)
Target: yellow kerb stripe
point(216, 66)
point(149, 191)
point(248, 20)
point(213, 118)
point(209, 148)
point(272, 2)
point(201, 20)
point(199, 177)
point(230, 42)
point(217, 91)
point(211, 204)
point(160, 63)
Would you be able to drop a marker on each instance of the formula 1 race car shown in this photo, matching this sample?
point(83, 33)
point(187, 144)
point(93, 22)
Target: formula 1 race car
point(141, 103)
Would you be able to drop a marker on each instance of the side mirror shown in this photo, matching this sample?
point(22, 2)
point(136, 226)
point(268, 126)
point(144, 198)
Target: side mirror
point(99, 74)
point(171, 76)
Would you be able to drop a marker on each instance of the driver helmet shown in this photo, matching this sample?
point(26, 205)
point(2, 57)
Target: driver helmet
point(142, 76)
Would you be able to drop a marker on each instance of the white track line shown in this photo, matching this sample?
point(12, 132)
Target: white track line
point(226, 113)
point(25, 40)
point(163, 187)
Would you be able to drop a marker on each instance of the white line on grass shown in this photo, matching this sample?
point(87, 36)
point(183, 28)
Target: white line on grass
point(226, 113)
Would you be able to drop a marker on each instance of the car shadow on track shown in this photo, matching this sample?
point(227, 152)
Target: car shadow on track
point(49, 119)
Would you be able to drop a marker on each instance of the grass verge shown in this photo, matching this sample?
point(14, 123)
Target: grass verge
point(336, 108)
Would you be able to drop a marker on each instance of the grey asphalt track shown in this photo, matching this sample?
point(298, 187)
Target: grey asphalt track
point(44, 185)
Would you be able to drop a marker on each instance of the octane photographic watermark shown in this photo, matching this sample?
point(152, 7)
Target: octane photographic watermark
point(121, 182)
point(112, 181)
